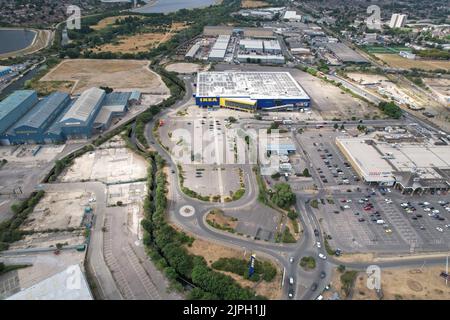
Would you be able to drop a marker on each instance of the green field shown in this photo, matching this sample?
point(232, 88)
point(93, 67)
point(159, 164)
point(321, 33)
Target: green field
point(380, 49)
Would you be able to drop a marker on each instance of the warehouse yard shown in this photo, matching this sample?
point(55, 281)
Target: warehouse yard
point(113, 165)
point(121, 75)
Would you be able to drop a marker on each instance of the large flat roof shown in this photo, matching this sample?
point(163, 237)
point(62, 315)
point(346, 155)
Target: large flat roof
point(256, 85)
point(346, 54)
point(380, 160)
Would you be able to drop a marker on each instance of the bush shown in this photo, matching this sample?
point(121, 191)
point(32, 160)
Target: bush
point(347, 280)
point(292, 214)
point(287, 236)
point(263, 269)
point(390, 109)
point(308, 263)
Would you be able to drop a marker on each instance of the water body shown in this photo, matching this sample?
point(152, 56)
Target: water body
point(15, 39)
point(167, 6)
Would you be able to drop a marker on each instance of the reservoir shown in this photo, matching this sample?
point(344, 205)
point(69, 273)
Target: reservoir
point(167, 6)
point(15, 39)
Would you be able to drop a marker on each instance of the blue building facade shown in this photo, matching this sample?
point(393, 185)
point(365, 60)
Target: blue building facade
point(32, 127)
point(15, 106)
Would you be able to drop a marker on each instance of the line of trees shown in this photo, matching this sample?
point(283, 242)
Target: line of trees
point(166, 247)
point(9, 229)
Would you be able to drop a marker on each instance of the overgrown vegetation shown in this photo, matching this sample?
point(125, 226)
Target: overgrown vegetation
point(62, 164)
point(263, 269)
point(308, 263)
point(9, 229)
point(287, 236)
point(347, 280)
point(390, 109)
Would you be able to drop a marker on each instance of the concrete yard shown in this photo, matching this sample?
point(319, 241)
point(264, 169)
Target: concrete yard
point(185, 68)
point(108, 165)
point(59, 210)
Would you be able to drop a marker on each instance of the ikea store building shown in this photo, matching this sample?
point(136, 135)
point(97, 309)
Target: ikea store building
point(250, 91)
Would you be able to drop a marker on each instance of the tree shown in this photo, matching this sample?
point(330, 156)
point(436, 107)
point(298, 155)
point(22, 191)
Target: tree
point(342, 127)
point(292, 214)
point(283, 196)
point(306, 173)
point(335, 126)
point(390, 109)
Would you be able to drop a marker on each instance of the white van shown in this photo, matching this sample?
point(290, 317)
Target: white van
point(319, 297)
point(380, 222)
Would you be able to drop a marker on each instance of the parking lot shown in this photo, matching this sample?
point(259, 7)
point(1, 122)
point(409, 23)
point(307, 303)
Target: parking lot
point(360, 217)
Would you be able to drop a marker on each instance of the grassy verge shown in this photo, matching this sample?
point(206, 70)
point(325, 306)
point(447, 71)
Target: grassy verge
point(263, 270)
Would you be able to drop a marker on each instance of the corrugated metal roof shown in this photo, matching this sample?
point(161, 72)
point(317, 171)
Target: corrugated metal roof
point(43, 110)
point(116, 98)
point(135, 95)
point(85, 105)
point(10, 103)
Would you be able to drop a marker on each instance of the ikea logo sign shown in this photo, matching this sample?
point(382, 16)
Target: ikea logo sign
point(208, 100)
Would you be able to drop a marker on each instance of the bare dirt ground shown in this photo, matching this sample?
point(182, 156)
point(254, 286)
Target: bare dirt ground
point(406, 284)
point(212, 252)
point(185, 68)
point(58, 211)
point(49, 239)
point(141, 41)
point(399, 283)
point(396, 61)
point(253, 4)
point(440, 88)
point(217, 216)
point(116, 74)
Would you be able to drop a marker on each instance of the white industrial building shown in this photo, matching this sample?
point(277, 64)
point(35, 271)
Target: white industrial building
point(402, 160)
point(397, 20)
point(219, 48)
point(292, 16)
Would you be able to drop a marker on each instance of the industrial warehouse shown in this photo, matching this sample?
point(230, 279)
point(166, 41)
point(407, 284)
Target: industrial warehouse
point(249, 91)
point(405, 161)
point(54, 119)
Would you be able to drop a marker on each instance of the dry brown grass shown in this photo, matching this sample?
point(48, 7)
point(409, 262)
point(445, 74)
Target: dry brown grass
point(399, 283)
point(254, 4)
point(396, 61)
point(218, 217)
point(110, 21)
point(116, 74)
point(140, 42)
point(212, 252)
